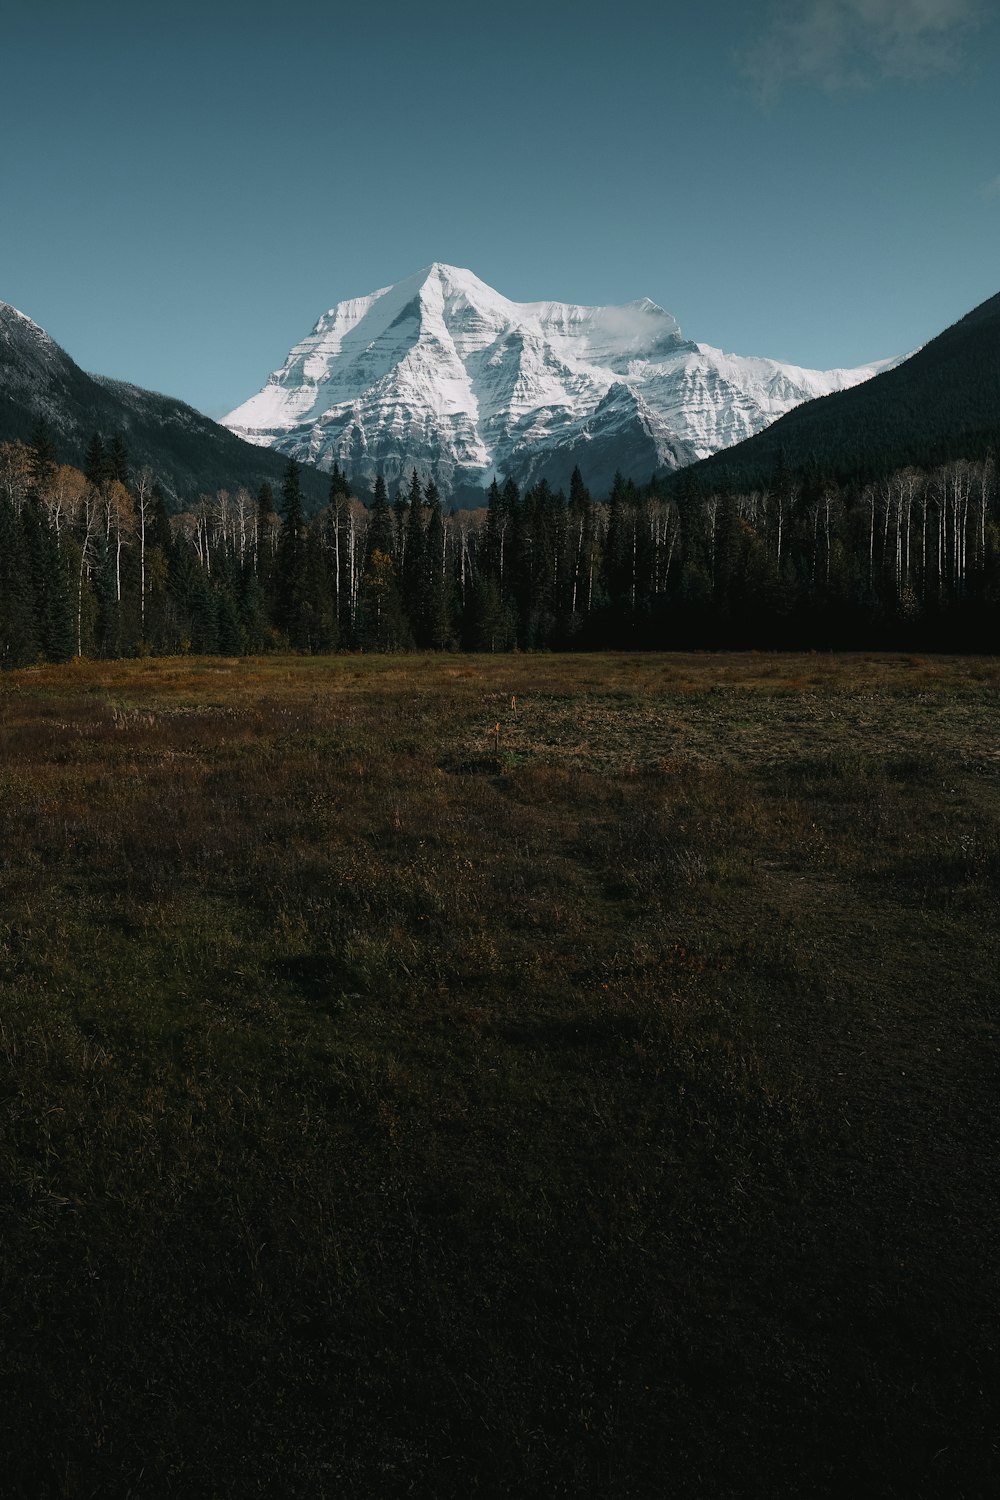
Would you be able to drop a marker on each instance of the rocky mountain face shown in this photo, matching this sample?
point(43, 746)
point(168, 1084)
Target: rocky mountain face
point(442, 373)
point(189, 454)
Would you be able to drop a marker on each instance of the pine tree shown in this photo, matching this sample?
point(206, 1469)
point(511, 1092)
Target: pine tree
point(491, 551)
point(491, 623)
point(437, 610)
point(43, 458)
point(117, 460)
point(204, 616)
point(196, 603)
point(612, 562)
point(161, 535)
point(102, 578)
point(289, 570)
point(382, 624)
point(318, 618)
point(579, 495)
point(729, 552)
point(49, 585)
point(338, 484)
point(229, 632)
point(95, 464)
point(399, 514)
point(19, 643)
point(265, 510)
point(381, 532)
point(415, 571)
point(255, 625)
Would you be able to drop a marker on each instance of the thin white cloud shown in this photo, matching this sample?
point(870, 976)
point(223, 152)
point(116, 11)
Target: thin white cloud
point(842, 44)
point(992, 188)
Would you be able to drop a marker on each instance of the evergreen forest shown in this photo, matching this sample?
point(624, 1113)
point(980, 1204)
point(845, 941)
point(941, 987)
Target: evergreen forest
point(92, 564)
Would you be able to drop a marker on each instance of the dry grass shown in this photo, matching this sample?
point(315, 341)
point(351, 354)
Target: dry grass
point(601, 1104)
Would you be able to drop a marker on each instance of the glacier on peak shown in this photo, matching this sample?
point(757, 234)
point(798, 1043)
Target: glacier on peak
point(442, 373)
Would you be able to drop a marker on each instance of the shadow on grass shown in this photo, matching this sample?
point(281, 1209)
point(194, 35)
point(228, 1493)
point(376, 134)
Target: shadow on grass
point(316, 976)
point(570, 1031)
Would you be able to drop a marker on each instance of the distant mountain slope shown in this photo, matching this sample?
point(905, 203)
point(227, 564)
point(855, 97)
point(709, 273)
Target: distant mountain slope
point(622, 435)
point(189, 454)
point(940, 404)
point(442, 373)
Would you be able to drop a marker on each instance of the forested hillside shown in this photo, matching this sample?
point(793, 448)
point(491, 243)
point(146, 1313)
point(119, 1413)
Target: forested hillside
point(189, 453)
point(940, 405)
point(91, 564)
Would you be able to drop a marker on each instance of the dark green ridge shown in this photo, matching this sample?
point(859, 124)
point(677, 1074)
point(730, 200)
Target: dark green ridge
point(941, 404)
point(189, 453)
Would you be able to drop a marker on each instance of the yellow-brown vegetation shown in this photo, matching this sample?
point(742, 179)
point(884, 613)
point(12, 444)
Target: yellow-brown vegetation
point(600, 1104)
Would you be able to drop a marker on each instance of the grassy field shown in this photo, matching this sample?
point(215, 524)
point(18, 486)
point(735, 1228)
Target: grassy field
point(510, 1076)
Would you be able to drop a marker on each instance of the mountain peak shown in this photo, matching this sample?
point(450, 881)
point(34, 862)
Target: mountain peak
point(456, 275)
point(442, 373)
point(452, 280)
point(16, 320)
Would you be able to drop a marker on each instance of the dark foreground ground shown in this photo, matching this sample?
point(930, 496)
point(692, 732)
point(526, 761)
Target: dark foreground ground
point(604, 1105)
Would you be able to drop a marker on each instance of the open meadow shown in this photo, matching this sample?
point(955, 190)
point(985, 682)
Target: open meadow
point(505, 1076)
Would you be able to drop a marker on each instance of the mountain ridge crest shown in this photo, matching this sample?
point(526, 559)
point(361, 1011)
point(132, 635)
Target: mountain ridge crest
point(441, 373)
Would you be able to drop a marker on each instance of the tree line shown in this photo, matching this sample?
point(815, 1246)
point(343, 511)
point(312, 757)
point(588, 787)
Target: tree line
point(91, 564)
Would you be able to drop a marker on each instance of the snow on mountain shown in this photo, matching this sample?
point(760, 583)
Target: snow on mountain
point(621, 434)
point(29, 358)
point(12, 317)
point(442, 373)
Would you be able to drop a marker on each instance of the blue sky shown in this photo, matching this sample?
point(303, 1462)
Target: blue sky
point(186, 190)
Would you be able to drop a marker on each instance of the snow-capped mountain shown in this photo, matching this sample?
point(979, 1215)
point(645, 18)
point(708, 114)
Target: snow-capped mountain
point(441, 373)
